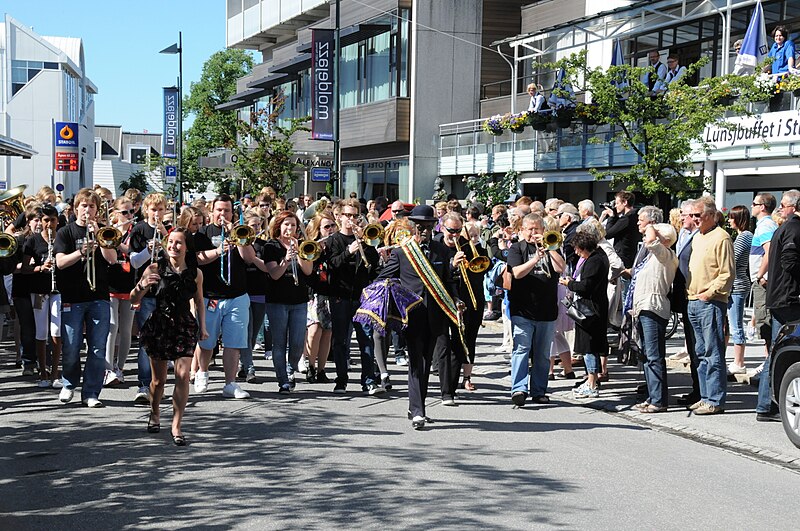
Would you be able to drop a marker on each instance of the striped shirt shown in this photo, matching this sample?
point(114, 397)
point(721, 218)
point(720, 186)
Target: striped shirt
point(741, 257)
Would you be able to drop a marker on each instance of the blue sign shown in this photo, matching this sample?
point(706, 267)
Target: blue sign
point(322, 88)
point(170, 174)
point(320, 175)
point(171, 117)
point(66, 134)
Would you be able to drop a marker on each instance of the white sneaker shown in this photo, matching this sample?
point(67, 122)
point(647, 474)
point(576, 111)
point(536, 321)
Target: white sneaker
point(401, 360)
point(755, 373)
point(92, 402)
point(142, 396)
point(268, 355)
point(736, 369)
point(679, 356)
point(258, 346)
point(110, 378)
point(232, 390)
point(120, 376)
point(43, 384)
point(66, 395)
point(56, 384)
point(201, 382)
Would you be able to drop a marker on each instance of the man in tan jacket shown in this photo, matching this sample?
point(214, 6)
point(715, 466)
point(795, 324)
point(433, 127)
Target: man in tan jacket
point(711, 273)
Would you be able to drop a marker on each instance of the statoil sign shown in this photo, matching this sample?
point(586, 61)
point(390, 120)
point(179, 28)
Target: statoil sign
point(66, 134)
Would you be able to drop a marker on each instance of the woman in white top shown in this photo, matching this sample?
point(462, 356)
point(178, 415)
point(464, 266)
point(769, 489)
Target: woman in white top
point(537, 100)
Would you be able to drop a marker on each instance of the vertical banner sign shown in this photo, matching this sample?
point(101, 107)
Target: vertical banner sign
point(171, 117)
point(322, 93)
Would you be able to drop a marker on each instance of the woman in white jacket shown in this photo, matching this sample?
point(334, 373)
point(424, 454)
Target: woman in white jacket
point(651, 283)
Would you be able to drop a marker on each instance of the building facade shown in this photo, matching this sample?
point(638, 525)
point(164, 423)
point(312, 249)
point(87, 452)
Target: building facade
point(558, 163)
point(406, 67)
point(42, 81)
point(120, 154)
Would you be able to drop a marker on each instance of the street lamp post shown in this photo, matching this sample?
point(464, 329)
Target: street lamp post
point(178, 49)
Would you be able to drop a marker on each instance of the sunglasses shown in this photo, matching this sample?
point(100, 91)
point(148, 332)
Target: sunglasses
point(264, 205)
point(350, 215)
point(758, 204)
point(127, 212)
point(452, 231)
point(696, 216)
point(398, 211)
point(328, 226)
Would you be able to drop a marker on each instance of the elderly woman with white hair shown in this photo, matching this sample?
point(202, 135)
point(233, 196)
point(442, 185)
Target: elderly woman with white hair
point(651, 284)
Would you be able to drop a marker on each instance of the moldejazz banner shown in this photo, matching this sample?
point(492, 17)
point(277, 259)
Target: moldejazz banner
point(322, 91)
point(171, 117)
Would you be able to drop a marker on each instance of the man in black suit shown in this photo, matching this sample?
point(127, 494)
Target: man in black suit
point(678, 298)
point(427, 322)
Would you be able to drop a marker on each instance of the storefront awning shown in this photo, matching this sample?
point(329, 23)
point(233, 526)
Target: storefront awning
point(232, 105)
point(14, 148)
point(268, 82)
point(301, 62)
point(353, 34)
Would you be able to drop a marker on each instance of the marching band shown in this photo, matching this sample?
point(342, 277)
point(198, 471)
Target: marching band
point(114, 270)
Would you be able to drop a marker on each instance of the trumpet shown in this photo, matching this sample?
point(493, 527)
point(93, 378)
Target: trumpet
point(373, 234)
point(8, 244)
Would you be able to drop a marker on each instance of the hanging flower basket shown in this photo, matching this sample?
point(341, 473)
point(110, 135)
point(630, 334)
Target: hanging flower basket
point(493, 125)
point(564, 117)
point(539, 120)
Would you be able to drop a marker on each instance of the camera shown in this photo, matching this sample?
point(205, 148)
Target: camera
point(608, 205)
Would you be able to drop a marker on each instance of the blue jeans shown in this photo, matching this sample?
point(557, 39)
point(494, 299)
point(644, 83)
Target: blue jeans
point(288, 324)
point(591, 362)
point(342, 312)
point(709, 330)
point(144, 372)
point(532, 340)
point(779, 317)
point(96, 316)
point(257, 311)
point(653, 330)
point(736, 317)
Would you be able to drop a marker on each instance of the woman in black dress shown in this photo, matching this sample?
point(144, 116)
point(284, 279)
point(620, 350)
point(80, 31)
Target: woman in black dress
point(590, 282)
point(171, 332)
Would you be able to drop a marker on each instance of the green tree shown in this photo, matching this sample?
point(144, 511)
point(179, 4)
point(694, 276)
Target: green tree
point(265, 153)
point(138, 180)
point(490, 190)
point(211, 129)
point(662, 130)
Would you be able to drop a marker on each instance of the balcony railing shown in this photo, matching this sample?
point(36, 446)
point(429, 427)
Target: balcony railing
point(465, 148)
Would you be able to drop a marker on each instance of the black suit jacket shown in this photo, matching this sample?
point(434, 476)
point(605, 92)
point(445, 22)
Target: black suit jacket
point(399, 267)
point(677, 299)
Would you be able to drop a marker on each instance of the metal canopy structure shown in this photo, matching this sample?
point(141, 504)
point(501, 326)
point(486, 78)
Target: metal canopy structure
point(353, 34)
point(14, 148)
point(232, 105)
point(292, 66)
point(625, 22)
point(266, 83)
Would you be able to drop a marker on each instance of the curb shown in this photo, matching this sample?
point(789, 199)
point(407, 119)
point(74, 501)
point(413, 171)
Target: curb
point(788, 462)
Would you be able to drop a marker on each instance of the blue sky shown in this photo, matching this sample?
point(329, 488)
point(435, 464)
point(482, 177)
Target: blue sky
point(121, 42)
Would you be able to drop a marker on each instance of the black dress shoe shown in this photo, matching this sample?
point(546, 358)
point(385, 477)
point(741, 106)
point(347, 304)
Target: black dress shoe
point(518, 398)
point(768, 417)
point(540, 399)
point(688, 400)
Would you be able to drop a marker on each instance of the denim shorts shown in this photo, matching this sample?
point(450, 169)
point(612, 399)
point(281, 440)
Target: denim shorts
point(229, 317)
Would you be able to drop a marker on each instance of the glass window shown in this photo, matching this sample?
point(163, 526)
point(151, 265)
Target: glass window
point(349, 77)
point(234, 7)
point(138, 155)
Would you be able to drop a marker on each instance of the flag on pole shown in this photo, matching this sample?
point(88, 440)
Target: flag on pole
point(617, 59)
point(754, 45)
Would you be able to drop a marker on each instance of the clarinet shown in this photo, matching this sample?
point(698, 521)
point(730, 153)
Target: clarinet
point(53, 288)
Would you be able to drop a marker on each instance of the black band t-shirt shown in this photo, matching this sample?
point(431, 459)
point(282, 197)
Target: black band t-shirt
point(230, 264)
point(72, 282)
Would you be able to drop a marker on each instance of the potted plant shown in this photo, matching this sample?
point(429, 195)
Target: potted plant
point(564, 116)
point(518, 121)
point(493, 125)
point(539, 120)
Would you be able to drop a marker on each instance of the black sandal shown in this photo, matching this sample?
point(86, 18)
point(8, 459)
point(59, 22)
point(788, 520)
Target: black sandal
point(179, 440)
point(152, 428)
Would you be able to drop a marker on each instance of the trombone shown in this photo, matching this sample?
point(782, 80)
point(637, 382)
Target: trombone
point(90, 265)
point(551, 241)
point(465, 278)
point(478, 263)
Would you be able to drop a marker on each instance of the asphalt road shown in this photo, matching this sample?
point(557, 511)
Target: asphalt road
point(315, 460)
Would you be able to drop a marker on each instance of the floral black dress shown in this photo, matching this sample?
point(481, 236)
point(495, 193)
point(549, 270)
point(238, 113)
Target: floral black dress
point(171, 331)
